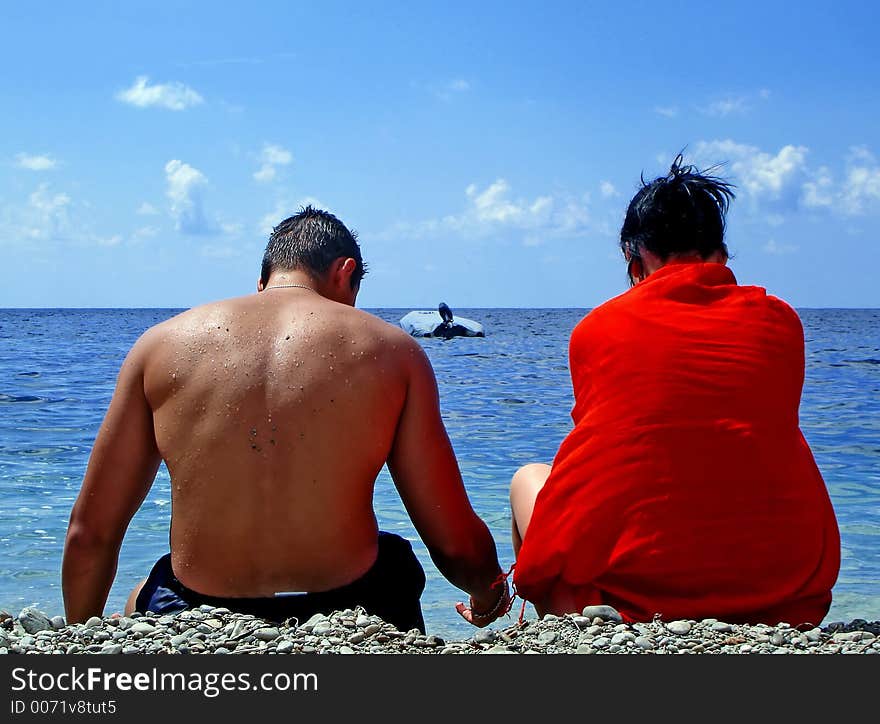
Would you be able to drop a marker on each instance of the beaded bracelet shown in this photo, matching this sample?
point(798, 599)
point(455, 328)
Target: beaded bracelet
point(493, 613)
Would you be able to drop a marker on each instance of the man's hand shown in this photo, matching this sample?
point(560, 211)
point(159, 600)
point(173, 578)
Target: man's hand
point(482, 617)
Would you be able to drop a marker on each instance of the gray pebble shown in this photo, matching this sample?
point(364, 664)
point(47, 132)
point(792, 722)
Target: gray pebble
point(345, 650)
point(622, 637)
point(545, 638)
point(499, 650)
point(585, 649)
point(643, 642)
point(313, 621)
point(32, 620)
point(142, 627)
point(680, 628)
point(721, 627)
point(606, 613)
point(485, 636)
point(94, 622)
point(58, 622)
point(285, 647)
point(357, 637)
point(777, 639)
point(111, 649)
point(362, 621)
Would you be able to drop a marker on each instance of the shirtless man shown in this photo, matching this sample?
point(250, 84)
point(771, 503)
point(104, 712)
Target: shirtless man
point(274, 413)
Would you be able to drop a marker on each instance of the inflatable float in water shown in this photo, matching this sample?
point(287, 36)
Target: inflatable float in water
point(440, 324)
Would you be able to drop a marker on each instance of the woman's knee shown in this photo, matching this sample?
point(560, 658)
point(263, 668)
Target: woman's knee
point(131, 603)
point(529, 479)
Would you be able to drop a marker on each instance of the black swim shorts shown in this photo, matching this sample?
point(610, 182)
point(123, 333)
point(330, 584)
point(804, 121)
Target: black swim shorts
point(391, 589)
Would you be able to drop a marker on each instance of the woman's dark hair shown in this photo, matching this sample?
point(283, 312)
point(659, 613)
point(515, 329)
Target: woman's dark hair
point(312, 240)
point(681, 212)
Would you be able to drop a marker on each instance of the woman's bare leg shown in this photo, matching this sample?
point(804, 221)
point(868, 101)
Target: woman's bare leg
point(524, 488)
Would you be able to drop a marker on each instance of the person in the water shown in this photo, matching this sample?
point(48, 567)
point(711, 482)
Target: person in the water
point(274, 413)
point(686, 488)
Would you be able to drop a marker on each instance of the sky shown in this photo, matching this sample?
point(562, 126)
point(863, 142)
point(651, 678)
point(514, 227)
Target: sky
point(484, 152)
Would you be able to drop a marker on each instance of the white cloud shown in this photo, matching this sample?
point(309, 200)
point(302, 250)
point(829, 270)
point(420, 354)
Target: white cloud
point(666, 111)
point(861, 154)
point(52, 218)
point(185, 185)
point(857, 194)
point(271, 157)
point(772, 247)
point(861, 190)
point(819, 193)
point(42, 162)
point(265, 173)
point(493, 211)
point(285, 209)
point(145, 232)
point(607, 190)
point(740, 104)
point(726, 106)
point(48, 216)
point(763, 175)
point(454, 87)
point(45, 217)
point(147, 209)
point(174, 96)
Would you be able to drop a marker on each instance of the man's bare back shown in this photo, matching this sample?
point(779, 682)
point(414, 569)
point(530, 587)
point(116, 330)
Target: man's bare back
point(274, 414)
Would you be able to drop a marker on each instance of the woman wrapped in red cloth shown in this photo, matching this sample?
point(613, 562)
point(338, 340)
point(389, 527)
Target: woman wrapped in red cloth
point(686, 488)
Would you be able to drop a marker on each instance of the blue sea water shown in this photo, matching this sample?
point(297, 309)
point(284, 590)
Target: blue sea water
point(505, 398)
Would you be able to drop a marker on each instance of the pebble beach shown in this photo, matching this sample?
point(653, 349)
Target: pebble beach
point(597, 630)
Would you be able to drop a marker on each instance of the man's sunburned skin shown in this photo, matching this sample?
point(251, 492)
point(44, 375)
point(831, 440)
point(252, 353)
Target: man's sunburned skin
point(274, 413)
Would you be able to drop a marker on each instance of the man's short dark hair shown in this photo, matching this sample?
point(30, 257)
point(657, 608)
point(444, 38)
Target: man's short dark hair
point(311, 240)
point(681, 212)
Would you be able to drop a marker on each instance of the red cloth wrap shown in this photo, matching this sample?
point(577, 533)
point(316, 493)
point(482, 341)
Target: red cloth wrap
point(686, 488)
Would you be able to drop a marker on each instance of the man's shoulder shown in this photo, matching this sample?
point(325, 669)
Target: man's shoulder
point(186, 323)
point(370, 324)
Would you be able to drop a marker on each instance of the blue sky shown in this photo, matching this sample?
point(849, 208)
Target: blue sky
point(485, 152)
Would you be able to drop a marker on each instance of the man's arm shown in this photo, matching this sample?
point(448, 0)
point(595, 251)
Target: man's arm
point(426, 474)
point(120, 472)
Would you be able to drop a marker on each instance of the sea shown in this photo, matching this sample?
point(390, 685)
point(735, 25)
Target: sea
point(505, 399)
